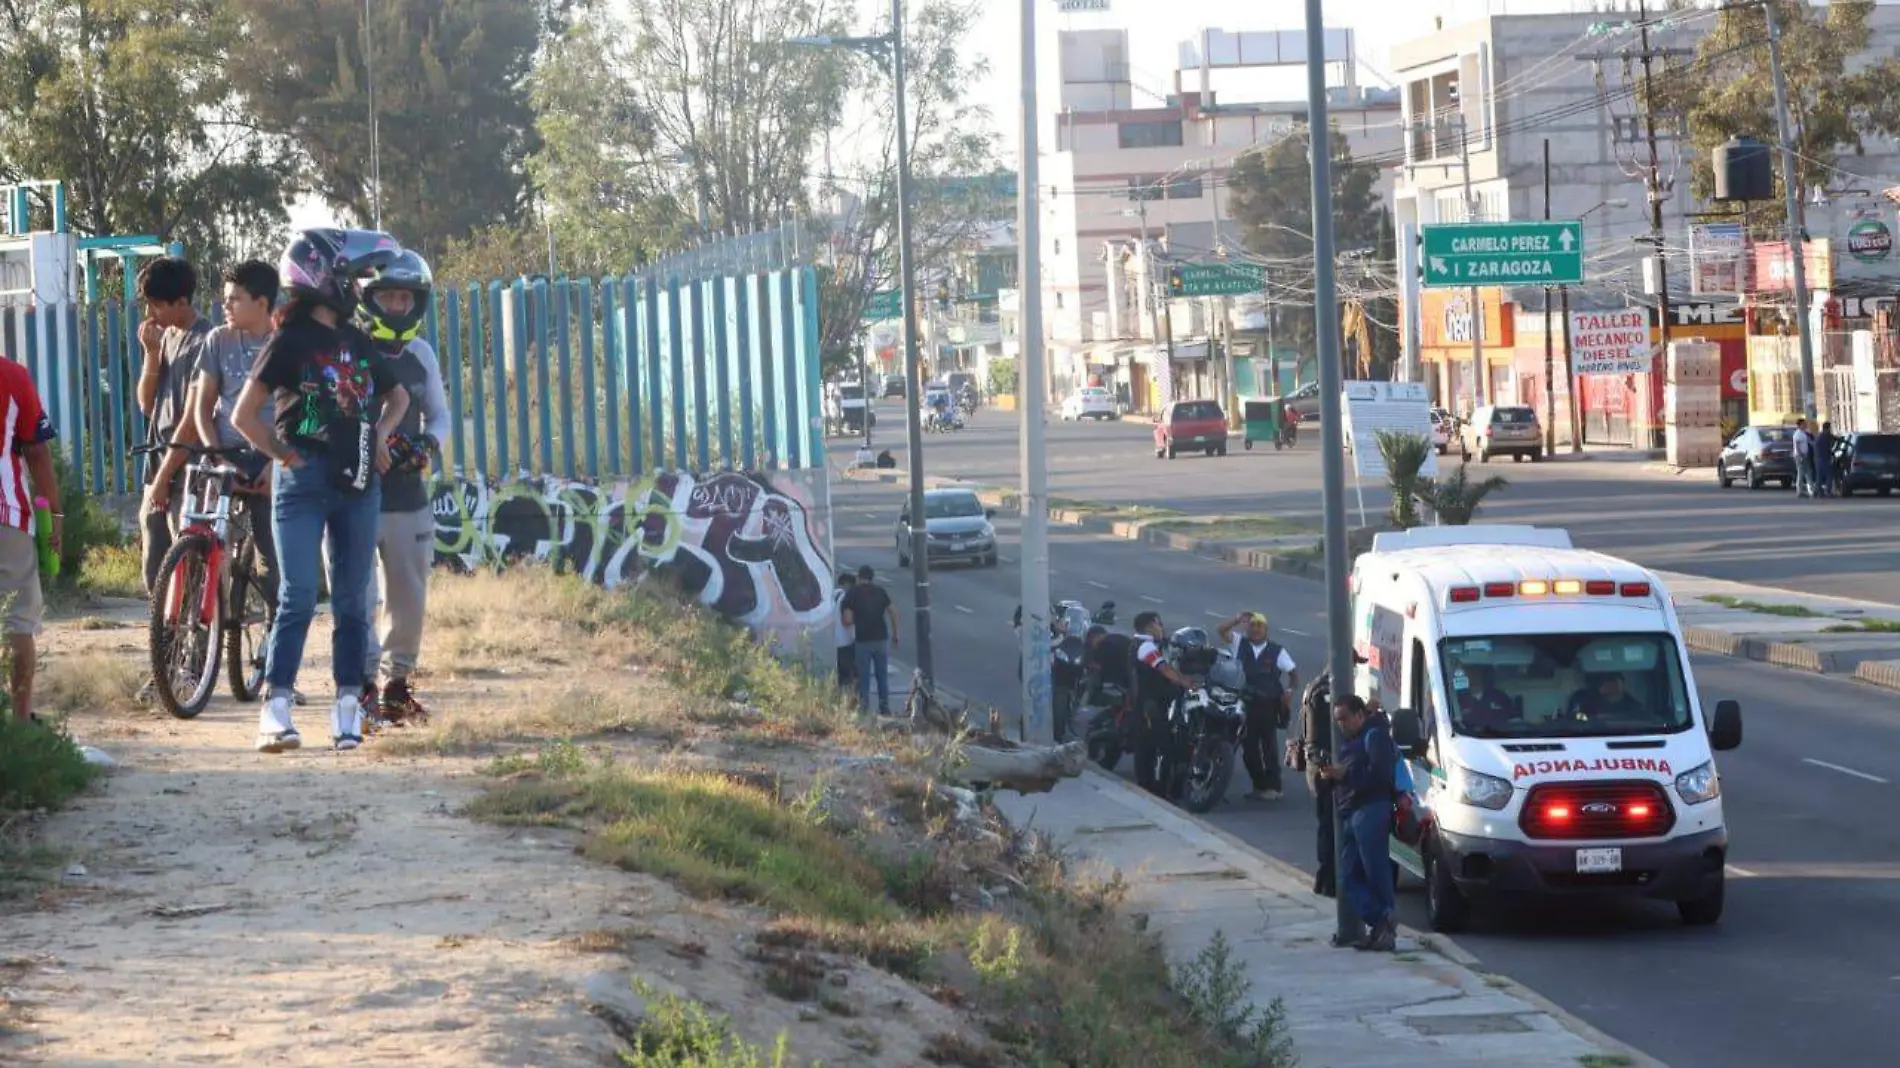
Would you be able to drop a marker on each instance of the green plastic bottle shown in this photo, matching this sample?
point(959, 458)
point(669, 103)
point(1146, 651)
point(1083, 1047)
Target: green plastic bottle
point(43, 535)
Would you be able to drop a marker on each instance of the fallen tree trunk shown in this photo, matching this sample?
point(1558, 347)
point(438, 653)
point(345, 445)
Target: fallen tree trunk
point(990, 763)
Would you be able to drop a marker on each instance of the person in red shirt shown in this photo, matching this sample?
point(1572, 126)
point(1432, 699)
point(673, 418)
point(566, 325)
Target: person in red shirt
point(24, 453)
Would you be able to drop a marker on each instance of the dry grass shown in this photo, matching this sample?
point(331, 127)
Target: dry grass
point(847, 860)
point(89, 683)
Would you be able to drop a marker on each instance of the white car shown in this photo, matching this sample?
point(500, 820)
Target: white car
point(1090, 402)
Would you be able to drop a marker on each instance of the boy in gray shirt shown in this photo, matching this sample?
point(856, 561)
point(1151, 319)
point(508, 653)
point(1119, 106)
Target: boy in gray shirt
point(250, 292)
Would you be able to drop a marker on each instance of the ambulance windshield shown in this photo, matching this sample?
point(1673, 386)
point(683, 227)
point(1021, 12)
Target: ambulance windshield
point(1566, 685)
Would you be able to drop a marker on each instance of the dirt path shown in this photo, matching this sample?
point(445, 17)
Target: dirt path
point(225, 907)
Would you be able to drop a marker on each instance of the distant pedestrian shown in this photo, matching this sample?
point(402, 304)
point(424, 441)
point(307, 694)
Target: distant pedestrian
point(1363, 784)
point(842, 633)
point(1824, 460)
point(1804, 484)
point(868, 611)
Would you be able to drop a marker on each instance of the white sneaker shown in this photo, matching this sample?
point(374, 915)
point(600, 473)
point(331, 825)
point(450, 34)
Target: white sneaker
point(274, 731)
point(346, 722)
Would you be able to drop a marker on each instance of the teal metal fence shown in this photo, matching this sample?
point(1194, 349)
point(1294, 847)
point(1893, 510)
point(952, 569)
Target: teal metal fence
point(571, 377)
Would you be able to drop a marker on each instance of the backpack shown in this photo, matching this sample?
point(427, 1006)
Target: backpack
point(1405, 822)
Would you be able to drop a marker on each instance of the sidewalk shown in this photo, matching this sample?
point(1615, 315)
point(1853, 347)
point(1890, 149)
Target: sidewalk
point(1423, 1007)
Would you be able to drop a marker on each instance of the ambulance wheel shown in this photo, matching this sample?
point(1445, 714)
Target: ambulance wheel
point(1446, 906)
point(1703, 911)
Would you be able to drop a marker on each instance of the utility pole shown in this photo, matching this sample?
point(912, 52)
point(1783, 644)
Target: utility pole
point(1574, 380)
point(376, 135)
point(1031, 393)
point(1550, 370)
point(913, 367)
point(1797, 226)
point(1480, 386)
point(1656, 190)
point(1332, 441)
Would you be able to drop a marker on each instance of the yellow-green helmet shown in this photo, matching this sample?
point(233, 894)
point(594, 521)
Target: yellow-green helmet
point(408, 271)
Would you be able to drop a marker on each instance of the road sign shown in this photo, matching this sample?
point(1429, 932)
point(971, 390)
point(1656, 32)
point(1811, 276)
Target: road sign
point(1216, 279)
point(1503, 254)
point(884, 305)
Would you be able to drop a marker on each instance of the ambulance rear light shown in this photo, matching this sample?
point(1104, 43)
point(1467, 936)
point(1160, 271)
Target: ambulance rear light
point(1499, 589)
point(1600, 588)
point(1534, 587)
point(1567, 587)
point(1636, 589)
point(1464, 594)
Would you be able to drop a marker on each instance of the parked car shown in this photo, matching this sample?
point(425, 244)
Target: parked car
point(1304, 402)
point(1510, 429)
point(1866, 462)
point(957, 527)
point(893, 385)
point(1757, 455)
point(1090, 402)
point(1441, 430)
point(1191, 426)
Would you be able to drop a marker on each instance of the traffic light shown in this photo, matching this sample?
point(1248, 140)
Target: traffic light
point(1177, 282)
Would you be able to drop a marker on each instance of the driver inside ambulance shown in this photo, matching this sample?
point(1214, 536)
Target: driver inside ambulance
point(1483, 707)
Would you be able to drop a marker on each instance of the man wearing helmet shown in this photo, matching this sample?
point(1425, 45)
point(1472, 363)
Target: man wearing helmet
point(395, 305)
point(1271, 678)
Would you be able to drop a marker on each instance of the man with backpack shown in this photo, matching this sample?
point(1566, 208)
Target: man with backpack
point(1271, 677)
point(1364, 782)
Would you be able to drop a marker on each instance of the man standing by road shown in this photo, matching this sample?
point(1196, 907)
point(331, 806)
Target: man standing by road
point(1157, 686)
point(1363, 783)
point(1804, 484)
point(1271, 676)
point(872, 617)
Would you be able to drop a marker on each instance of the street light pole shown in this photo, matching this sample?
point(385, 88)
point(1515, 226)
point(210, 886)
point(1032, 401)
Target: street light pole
point(913, 372)
point(1797, 246)
point(1031, 398)
point(1332, 442)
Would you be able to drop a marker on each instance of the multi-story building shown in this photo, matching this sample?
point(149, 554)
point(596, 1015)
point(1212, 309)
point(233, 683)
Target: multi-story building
point(1124, 162)
point(1484, 100)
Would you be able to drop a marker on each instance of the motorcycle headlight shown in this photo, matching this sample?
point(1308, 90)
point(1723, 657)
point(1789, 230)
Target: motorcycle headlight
point(1483, 791)
point(1699, 784)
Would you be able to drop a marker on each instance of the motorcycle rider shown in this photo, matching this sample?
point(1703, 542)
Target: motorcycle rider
point(1110, 660)
point(1157, 686)
point(395, 306)
point(1271, 678)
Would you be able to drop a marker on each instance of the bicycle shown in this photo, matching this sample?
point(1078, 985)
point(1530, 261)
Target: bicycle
point(212, 605)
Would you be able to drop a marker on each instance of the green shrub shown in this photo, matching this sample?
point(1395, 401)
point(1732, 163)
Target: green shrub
point(39, 766)
point(87, 526)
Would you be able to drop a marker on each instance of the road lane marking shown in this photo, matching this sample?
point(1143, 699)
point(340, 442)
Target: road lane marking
point(962, 609)
point(1739, 873)
point(1098, 585)
point(1150, 600)
point(1218, 615)
point(1843, 771)
point(1301, 633)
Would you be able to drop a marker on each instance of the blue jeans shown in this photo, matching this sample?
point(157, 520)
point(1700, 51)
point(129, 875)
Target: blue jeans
point(874, 657)
point(1804, 481)
point(305, 504)
point(1366, 862)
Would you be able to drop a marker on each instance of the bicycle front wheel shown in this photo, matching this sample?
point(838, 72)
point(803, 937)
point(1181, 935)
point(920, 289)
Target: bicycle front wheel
point(185, 645)
point(247, 629)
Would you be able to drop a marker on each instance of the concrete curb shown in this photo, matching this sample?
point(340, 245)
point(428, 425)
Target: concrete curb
point(1781, 654)
point(1291, 881)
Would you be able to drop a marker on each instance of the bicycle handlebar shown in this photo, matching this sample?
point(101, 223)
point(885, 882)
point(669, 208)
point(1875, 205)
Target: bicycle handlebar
point(228, 452)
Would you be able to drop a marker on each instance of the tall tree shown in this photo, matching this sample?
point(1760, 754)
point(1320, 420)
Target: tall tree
point(1728, 90)
point(1272, 200)
point(128, 103)
point(451, 87)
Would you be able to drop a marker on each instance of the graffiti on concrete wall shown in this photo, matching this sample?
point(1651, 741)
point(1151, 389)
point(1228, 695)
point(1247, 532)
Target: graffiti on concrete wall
point(751, 546)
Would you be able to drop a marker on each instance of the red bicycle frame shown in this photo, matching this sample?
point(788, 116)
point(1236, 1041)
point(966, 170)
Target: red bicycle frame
point(214, 567)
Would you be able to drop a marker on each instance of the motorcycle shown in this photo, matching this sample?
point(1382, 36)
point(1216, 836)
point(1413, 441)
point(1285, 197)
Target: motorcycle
point(1289, 431)
point(936, 422)
point(1110, 730)
point(1205, 725)
point(967, 404)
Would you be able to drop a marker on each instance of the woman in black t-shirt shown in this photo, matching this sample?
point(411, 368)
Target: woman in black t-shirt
point(319, 377)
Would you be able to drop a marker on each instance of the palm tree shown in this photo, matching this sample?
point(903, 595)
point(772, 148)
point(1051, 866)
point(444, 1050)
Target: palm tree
point(1405, 456)
point(1455, 499)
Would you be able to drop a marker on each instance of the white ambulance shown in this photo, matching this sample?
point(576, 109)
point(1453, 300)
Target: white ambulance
point(1544, 697)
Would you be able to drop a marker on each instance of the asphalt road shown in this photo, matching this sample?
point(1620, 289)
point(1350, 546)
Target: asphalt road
point(1845, 548)
point(1805, 967)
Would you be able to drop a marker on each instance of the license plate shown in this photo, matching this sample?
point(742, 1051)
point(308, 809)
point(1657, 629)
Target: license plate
point(1886, 478)
point(1599, 861)
point(956, 546)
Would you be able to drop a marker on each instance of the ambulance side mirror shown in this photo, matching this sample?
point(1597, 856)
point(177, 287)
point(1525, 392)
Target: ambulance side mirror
point(1725, 730)
point(1406, 732)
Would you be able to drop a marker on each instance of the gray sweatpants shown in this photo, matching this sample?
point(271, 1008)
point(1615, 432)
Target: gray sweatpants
point(399, 592)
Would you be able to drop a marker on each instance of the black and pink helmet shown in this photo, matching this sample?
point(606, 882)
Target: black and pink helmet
point(326, 265)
